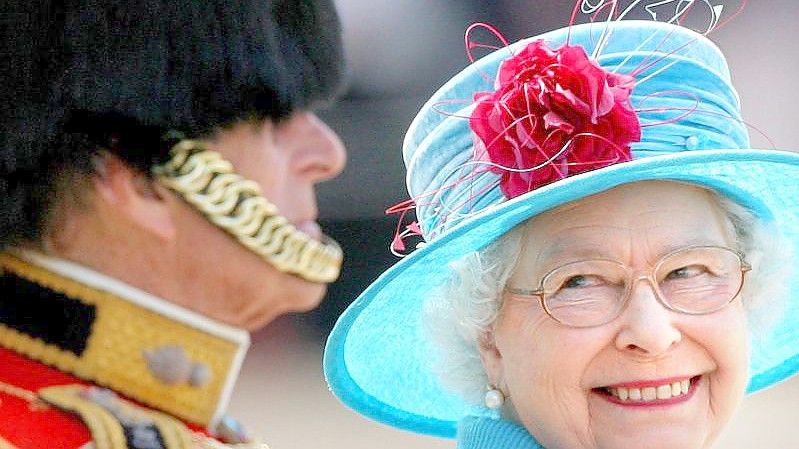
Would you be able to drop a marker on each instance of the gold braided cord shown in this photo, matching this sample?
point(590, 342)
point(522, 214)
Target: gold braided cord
point(107, 432)
point(105, 428)
point(18, 392)
point(173, 431)
point(209, 183)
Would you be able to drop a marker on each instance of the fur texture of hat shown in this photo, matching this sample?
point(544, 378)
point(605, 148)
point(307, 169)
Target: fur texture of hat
point(84, 75)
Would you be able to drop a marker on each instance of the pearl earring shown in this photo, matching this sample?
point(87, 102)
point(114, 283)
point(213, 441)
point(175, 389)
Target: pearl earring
point(494, 398)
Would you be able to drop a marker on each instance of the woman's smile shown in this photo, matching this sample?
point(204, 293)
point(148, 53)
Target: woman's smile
point(650, 393)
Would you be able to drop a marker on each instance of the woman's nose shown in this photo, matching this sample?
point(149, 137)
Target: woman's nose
point(319, 155)
point(647, 327)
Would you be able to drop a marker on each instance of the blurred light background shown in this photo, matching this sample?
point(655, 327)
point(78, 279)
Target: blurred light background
point(399, 53)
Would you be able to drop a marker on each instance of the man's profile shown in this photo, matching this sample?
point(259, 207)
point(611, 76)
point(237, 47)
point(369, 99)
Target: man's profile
point(158, 164)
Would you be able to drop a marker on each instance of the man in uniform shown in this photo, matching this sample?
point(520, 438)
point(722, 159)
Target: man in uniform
point(158, 164)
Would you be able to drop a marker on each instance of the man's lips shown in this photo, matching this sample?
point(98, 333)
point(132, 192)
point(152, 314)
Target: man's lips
point(658, 392)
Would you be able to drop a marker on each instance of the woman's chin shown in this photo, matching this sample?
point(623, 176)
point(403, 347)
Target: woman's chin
point(678, 422)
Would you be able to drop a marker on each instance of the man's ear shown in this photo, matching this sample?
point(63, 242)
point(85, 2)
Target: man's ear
point(133, 196)
point(491, 357)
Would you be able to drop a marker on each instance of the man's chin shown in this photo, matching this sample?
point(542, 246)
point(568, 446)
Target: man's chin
point(304, 297)
point(309, 298)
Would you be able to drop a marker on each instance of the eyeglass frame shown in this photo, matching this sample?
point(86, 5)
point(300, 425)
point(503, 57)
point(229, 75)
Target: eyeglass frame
point(633, 280)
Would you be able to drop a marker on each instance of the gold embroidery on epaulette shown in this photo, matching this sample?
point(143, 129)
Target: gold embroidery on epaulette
point(122, 333)
point(107, 432)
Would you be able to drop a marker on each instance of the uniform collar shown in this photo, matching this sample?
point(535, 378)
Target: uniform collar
point(105, 331)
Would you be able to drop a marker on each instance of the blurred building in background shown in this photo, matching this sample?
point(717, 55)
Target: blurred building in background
point(399, 53)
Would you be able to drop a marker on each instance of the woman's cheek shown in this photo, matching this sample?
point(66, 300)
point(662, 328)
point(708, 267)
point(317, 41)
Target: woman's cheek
point(547, 387)
point(730, 352)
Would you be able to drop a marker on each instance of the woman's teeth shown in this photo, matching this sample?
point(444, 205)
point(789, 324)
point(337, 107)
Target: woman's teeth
point(666, 391)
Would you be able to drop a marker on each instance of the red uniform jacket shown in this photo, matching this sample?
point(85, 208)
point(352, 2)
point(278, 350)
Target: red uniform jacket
point(82, 364)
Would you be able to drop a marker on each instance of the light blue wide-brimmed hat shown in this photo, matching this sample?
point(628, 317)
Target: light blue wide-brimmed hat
point(377, 357)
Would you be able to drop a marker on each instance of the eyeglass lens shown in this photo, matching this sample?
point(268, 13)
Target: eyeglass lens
point(695, 280)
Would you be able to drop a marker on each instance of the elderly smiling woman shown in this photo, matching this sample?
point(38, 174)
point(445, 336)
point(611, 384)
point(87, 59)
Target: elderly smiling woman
point(605, 259)
point(619, 321)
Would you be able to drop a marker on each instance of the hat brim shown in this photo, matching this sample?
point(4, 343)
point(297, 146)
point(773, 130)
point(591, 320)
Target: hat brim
point(376, 359)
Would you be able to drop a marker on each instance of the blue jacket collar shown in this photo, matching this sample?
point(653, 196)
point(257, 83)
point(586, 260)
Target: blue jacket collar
point(487, 433)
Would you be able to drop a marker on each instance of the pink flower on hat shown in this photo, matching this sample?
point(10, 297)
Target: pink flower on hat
point(554, 113)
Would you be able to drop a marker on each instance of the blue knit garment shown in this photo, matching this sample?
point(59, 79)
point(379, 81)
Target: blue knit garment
point(487, 433)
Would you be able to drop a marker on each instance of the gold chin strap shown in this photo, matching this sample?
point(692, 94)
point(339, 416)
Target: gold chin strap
point(208, 182)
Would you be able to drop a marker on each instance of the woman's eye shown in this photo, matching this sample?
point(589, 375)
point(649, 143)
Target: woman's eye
point(582, 281)
point(687, 272)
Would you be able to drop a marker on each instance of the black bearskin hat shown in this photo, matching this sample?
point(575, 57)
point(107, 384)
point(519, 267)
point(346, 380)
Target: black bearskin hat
point(78, 76)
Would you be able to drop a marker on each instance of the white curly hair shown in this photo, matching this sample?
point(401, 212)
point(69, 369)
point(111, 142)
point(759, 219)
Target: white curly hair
point(459, 314)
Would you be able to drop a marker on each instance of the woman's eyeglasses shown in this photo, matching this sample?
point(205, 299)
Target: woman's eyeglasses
point(695, 280)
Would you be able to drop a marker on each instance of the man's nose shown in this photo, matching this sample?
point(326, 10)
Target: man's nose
point(319, 155)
